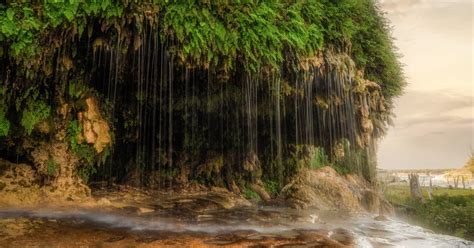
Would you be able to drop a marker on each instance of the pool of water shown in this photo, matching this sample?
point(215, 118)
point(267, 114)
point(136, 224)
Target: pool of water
point(236, 227)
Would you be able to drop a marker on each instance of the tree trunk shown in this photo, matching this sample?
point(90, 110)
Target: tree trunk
point(456, 181)
point(415, 189)
point(430, 189)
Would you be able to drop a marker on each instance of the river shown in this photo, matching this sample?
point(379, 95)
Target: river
point(241, 227)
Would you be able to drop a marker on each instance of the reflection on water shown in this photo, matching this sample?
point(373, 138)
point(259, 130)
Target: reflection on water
point(281, 222)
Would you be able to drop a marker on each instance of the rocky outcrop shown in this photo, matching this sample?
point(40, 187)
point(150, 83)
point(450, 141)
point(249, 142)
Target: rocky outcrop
point(95, 130)
point(325, 189)
point(22, 186)
point(51, 170)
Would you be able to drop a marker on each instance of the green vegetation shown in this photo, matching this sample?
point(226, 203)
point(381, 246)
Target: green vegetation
point(198, 77)
point(86, 171)
point(4, 124)
point(319, 159)
point(272, 187)
point(77, 90)
point(250, 194)
point(51, 167)
point(22, 23)
point(35, 112)
point(450, 211)
point(224, 32)
point(84, 152)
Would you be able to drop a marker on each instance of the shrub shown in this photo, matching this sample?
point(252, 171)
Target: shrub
point(35, 112)
point(451, 214)
point(84, 152)
point(4, 124)
point(272, 187)
point(52, 167)
point(250, 194)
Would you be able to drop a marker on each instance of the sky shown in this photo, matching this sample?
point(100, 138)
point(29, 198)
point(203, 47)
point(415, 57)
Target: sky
point(434, 123)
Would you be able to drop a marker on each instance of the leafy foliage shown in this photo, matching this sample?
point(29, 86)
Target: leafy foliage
point(319, 159)
point(250, 35)
point(77, 90)
point(254, 33)
point(453, 214)
point(84, 152)
point(22, 23)
point(250, 194)
point(35, 112)
point(4, 124)
point(86, 171)
point(51, 167)
point(272, 187)
point(450, 211)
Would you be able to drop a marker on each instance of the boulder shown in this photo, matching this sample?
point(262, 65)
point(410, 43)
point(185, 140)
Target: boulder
point(23, 186)
point(257, 188)
point(325, 189)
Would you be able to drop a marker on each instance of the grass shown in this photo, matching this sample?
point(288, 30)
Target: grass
point(400, 194)
point(451, 211)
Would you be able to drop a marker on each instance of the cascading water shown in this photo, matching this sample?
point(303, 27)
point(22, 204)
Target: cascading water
point(184, 111)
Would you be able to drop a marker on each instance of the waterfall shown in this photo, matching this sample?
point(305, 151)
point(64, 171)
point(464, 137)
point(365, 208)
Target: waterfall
point(184, 114)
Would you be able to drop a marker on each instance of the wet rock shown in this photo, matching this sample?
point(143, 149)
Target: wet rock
point(251, 165)
point(55, 162)
point(95, 130)
point(343, 236)
point(211, 169)
point(103, 202)
point(144, 210)
point(23, 185)
point(262, 193)
point(325, 189)
point(314, 238)
point(234, 188)
point(114, 239)
point(44, 127)
point(15, 227)
point(381, 218)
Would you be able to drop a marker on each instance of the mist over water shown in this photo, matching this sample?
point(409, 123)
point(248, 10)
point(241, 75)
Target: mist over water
point(367, 232)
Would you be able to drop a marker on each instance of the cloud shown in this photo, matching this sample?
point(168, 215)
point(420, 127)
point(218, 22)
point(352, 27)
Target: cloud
point(434, 124)
point(433, 129)
point(436, 119)
point(439, 102)
point(419, 109)
point(399, 6)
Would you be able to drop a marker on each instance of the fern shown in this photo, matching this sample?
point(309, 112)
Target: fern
point(35, 112)
point(84, 152)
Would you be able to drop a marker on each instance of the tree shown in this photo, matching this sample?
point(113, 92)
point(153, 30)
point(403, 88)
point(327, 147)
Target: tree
point(415, 188)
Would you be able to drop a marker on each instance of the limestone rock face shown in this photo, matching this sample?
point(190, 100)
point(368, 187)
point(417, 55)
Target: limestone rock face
point(95, 130)
point(22, 186)
point(325, 189)
point(55, 162)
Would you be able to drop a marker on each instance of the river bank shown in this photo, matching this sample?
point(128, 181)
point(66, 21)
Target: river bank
point(244, 227)
point(123, 216)
point(450, 211)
